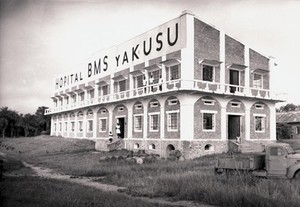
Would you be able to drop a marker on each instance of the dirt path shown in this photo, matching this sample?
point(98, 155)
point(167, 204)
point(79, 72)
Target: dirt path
point(48, 173)
point(91, 182)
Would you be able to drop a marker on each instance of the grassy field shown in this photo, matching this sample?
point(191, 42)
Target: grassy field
point(34, 191)
point(186, 180)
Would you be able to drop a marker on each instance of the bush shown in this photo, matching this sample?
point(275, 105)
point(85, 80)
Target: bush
point(175, 153)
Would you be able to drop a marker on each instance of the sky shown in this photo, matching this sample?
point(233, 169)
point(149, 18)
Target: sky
point(41, 39)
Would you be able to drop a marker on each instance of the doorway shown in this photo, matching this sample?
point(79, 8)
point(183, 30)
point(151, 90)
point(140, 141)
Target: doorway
point(121, 121)
point(234, 79)
point(234, 126)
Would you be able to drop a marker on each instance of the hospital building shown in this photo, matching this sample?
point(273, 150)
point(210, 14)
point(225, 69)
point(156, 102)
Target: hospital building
point(184, 85)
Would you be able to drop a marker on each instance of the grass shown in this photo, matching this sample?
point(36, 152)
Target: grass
point(187, 180)
point(34, 191)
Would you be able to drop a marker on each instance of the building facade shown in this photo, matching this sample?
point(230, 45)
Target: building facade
point(184, 85)
point(288, 125)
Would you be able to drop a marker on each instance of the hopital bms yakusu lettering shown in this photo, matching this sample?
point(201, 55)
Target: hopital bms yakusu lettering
point(162, 41)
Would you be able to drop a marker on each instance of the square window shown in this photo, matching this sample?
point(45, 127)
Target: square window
point(154, 122)
point(207, 73)
point(67, 100)
point(91, 93)
point(80, 127)
point(138, 123)
point(173, 121)
point(257, 80)
point(208, 121)
point(103, 125)
point(73, 98)
point(104, 90)
point(81, 96)
point(139, 81)
point(174, 72)
point(90, 125)
point(155, 75)
point(122, 85)
point(259, 123)
point(72, 126)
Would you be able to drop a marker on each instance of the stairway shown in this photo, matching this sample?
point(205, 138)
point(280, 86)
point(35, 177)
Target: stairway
point(106, 145)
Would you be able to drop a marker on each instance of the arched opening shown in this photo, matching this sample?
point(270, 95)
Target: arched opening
point(209, 147)
point(136, 146)
point(89, 112)
point(169, 149)
point(152, 146)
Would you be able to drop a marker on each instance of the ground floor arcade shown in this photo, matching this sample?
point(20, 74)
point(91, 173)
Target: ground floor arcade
point(196, 124)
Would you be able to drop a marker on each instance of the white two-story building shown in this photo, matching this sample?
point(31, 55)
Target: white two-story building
point(183, 85)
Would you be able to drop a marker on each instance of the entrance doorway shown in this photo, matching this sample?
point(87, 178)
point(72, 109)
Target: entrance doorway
point(234, 126)
point(234, 79)
point(121, 121)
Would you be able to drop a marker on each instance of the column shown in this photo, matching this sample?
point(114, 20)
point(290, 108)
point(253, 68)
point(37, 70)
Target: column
point(77, 99)
point(76, 125)
point(223, 123)
point(85, 97)
point(95, 123)
point(222, 60)
point(145, 120)
point(131, 85)
point(52, 126)
point(69, 125)
point(247, 70)
point(187, 53)
point(186, 121)
point(247, 121)
point(129, 122)
point(110, 119)
point(162, 120)
point(84, 124)
point(187, 116)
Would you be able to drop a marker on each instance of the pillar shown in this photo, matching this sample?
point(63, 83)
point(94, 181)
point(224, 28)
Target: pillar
point(247, 70)
point(95, 123)
point(222, 60)
point(145, 120)
point(129, 122)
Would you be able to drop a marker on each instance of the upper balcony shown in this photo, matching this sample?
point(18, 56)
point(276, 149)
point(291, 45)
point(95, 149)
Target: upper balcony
point(169, 86)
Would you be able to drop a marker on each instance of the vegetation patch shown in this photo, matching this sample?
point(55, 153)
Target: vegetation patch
point(34, 191)
point(178, 180)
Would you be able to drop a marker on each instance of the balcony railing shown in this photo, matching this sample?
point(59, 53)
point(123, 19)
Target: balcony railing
point(174, 85)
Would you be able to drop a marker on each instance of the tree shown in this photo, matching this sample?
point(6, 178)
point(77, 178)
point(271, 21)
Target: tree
point(3, 125)
point(14, 124)
point(43, 121)
point(284, 131)
point(288, 107)
point(8, 120)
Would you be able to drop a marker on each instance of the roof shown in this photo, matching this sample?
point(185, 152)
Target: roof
point(288, 117)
